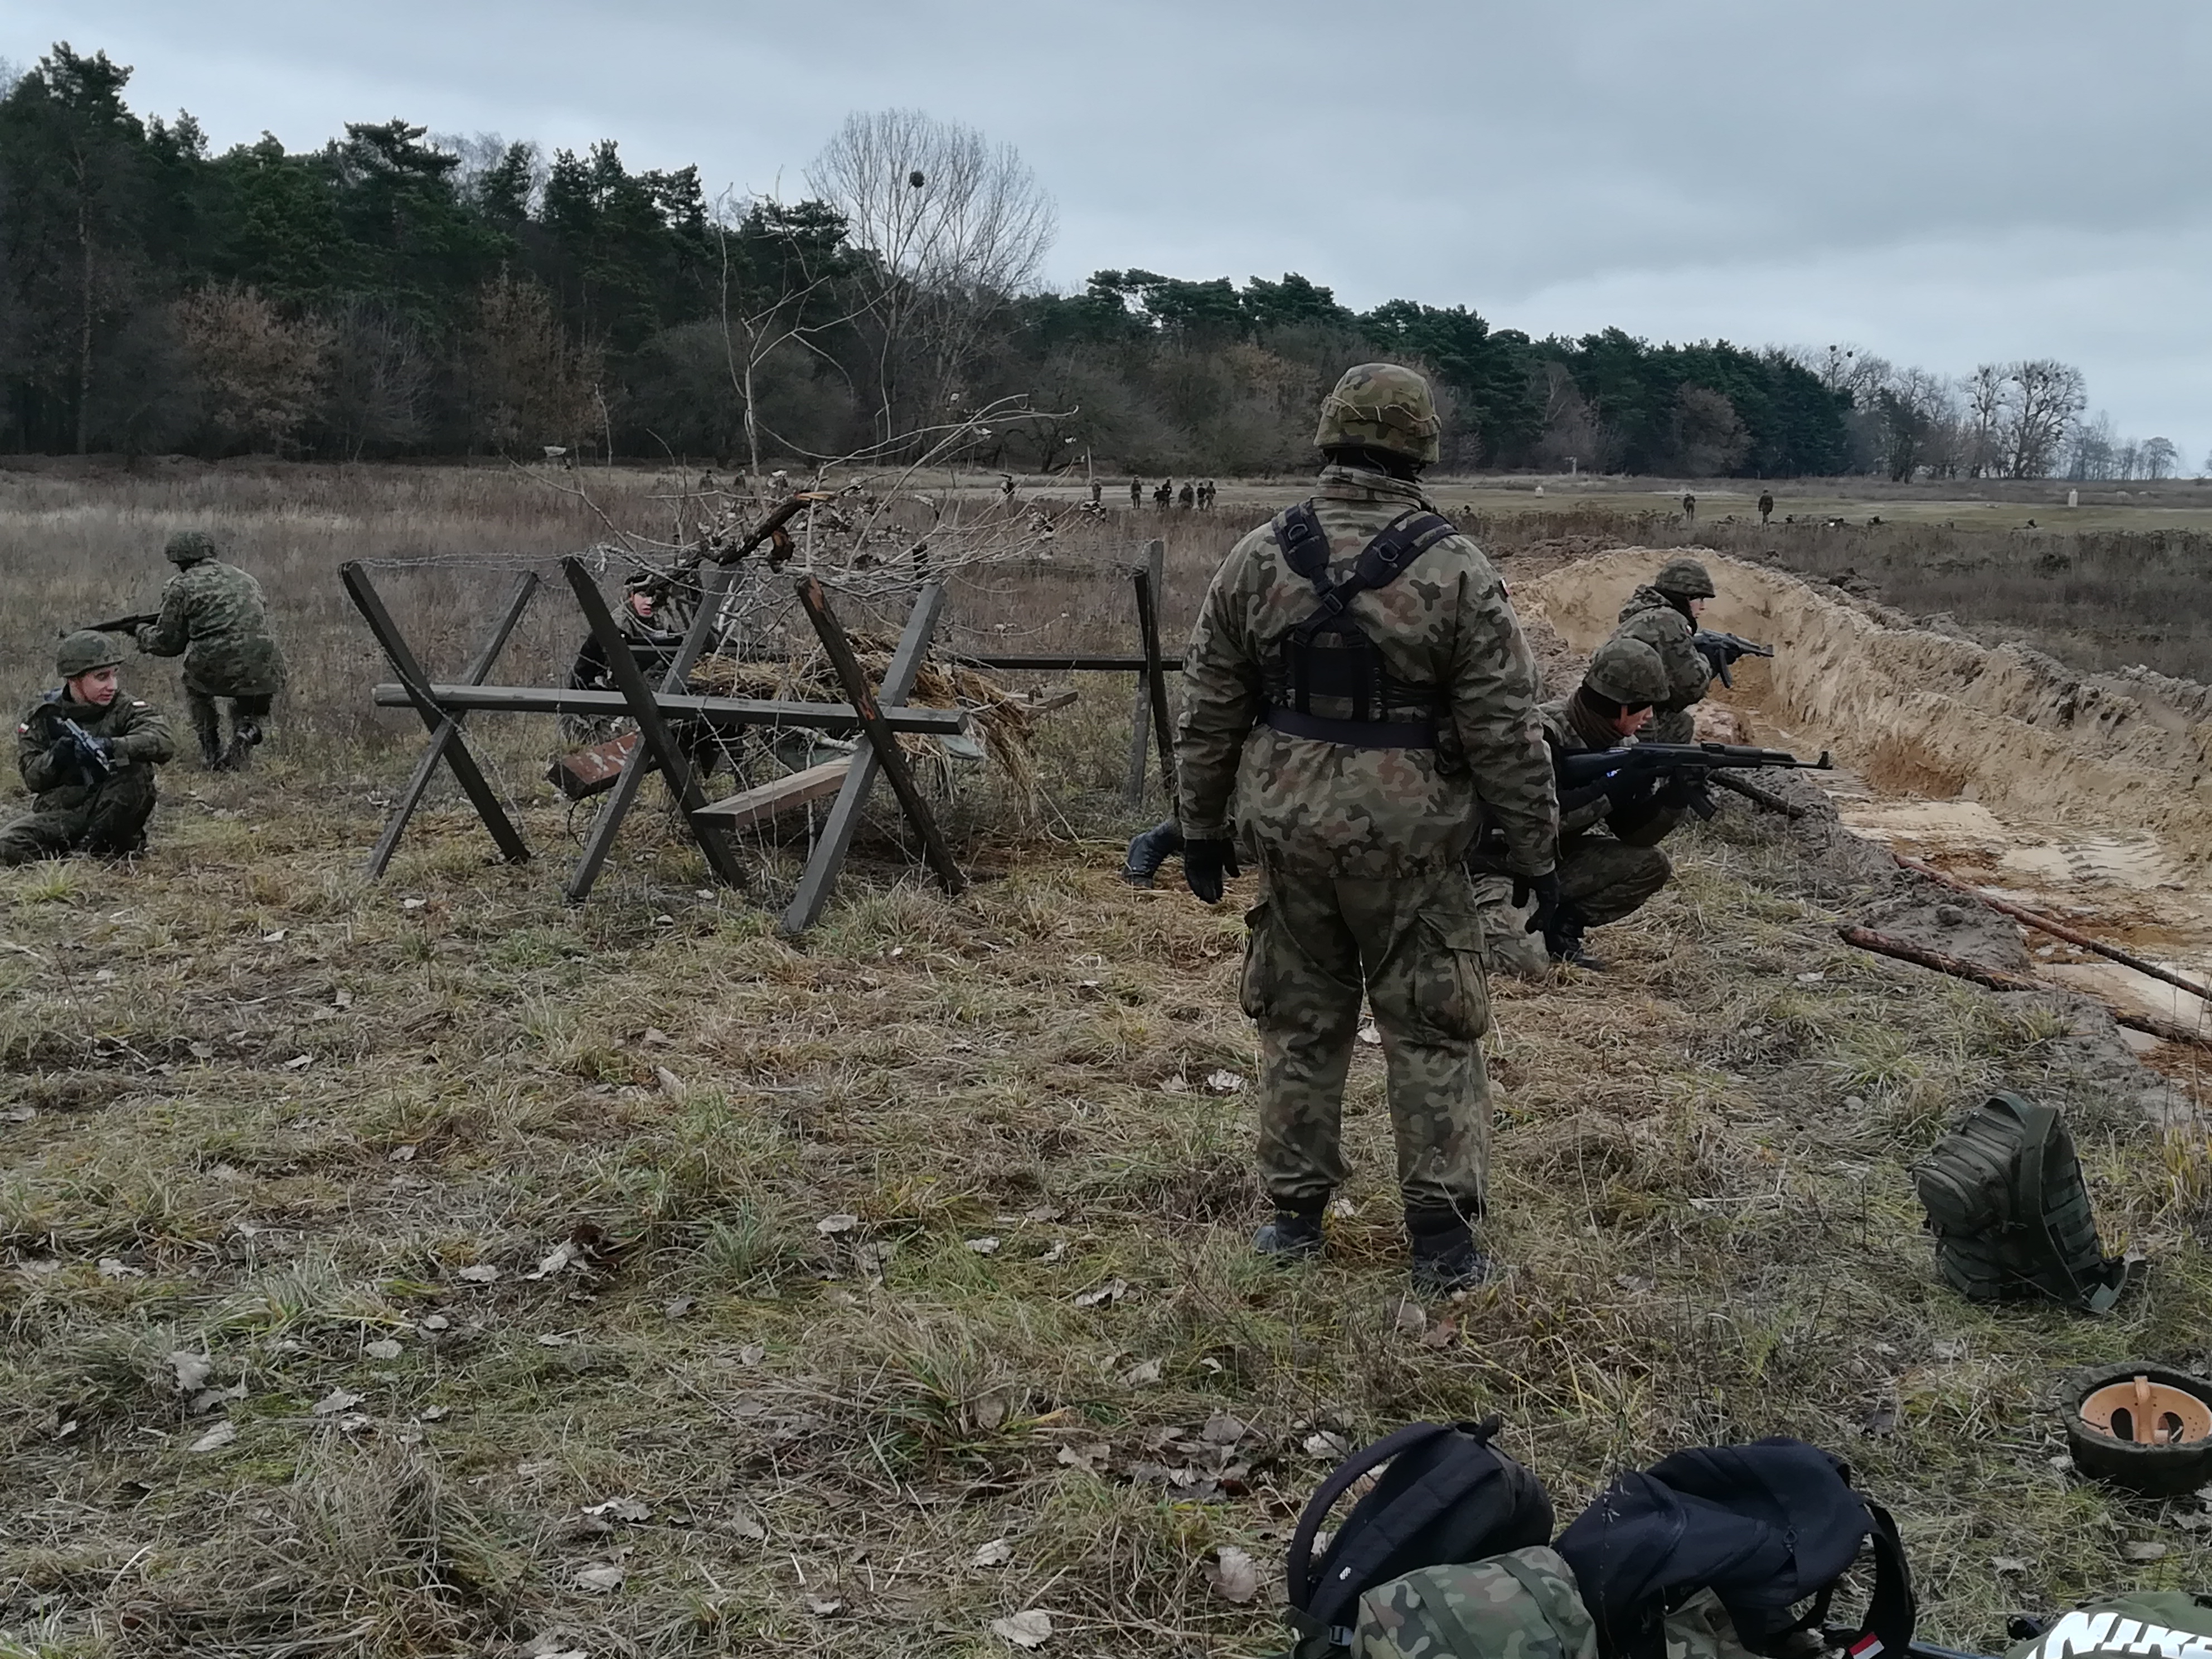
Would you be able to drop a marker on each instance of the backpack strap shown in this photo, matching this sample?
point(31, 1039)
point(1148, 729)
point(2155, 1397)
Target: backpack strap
point(2037, 1120)
point(1304, 543)
point(1297, 1565)
point(1895, 1611)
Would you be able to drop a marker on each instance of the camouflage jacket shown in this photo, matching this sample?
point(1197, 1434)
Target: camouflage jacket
point(1330, 809)
point(1644, 827)
point(1523, 1605)
point(212, 613)
point(141, 736)
point(1651, 616)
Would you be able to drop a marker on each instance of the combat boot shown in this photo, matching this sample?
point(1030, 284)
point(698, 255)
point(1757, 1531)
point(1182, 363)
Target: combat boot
point(208, 728)
point(1444, 1255)
point(244, 736)
point(1292, 1235)
point(1149, 851)
point(1563, 940)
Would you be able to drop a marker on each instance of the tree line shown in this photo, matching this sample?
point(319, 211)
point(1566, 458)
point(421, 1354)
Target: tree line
point(394, 292)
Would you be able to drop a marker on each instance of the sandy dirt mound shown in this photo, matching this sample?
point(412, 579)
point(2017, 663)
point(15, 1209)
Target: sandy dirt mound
point(1920, 711)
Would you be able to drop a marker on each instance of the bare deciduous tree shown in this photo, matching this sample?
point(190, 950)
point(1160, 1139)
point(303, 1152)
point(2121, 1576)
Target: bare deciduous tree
point(1984, 391)
point(2043, 399)
point(378, 379)
point(2159, 458)
point(258, 373)
point(955, 225)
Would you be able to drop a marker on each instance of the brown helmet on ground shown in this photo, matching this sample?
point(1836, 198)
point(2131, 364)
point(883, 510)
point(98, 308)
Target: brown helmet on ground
point(1382, 406)
point(84, 651)
point(188, 547)
point(1626, 672)
point(1684, 579)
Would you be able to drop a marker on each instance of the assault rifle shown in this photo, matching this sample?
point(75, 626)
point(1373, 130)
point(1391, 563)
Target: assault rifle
point(130, 624)
point(93, 754)
point(1620, 775)
point(1723, 649)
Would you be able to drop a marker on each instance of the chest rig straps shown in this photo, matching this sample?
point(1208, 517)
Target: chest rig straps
point(1330, 655)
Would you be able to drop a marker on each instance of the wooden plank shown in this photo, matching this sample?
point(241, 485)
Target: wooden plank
point(370, 604)
point(1078, 663)
point(645, 709)
point(881, 739)
point(1140, 716)
point(476, 673)
point(756, 804)
point(837, 830)
point(838, 717)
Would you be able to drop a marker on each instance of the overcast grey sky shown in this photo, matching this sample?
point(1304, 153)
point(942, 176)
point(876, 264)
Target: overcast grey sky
point(1943, 181)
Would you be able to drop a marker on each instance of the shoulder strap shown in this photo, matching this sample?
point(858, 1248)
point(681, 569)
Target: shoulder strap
point(1398, 543)
point(1304, 542)
point(1297, 1565)
point(2039, 1123)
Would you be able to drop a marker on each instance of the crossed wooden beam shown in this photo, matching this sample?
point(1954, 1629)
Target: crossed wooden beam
point(877, 715)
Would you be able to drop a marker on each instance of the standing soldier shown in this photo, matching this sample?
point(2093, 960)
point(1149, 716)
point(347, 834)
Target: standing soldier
point(1664, 614)
point(87, 750)
point(1765, 507)
point(212, 614)
point(1689, 506)
point(1358, 702)
point(1136, 492)
point(1186, 497)
point(1095, 487)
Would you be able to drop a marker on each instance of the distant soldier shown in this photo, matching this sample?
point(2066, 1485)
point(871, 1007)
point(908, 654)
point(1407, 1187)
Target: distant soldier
point(1136, 492)
point(1610, 864)
point(212, 615)
point(1664, 614)
point(1164, 493)
point(93, 788)
point(1359, 700)
point(1096, 487)
point(1206, 494)
point(1186, 497)
point(1689, 506)
point(1006, 488)
point(1765, 507)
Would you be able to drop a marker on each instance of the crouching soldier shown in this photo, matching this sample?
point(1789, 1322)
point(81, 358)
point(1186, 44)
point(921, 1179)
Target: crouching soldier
point(212, 616)
point(1610, 864)
point(88, 750)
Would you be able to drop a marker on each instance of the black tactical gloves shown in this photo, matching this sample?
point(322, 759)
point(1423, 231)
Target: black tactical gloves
point(1206, 864)
point(1546, 888)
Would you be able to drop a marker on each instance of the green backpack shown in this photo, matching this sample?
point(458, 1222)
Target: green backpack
point(2006, 1202)
point(2172, 1624)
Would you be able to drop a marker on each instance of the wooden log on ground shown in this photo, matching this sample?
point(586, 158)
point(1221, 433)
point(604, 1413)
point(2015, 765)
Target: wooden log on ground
point(758, 805)
point(2042, 923)
point(1997, 980)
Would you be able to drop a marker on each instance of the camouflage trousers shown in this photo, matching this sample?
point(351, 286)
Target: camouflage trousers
point(110, 825)
point(206, 723)
point(1413, 946)
point(1604, 878)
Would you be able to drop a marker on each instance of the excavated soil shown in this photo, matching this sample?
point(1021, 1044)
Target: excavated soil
point(2085, 797)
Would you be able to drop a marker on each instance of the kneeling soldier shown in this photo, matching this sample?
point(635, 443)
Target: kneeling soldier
point(87, 751)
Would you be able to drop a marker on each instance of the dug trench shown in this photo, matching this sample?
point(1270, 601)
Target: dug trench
point(431, 1267)
point(2084, 798)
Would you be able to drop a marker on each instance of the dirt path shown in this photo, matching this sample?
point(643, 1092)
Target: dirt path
point(2089, 798)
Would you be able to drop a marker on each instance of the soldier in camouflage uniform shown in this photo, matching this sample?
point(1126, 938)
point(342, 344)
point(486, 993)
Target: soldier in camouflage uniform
point(1357, 742)
point(1524, 1605)
point(94, 803)
point(1664, 614)
point(212, 615)
point(1609, 858)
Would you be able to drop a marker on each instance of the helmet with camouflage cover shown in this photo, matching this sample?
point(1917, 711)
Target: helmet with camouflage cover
point(189, 547)
point(1627, 671)
point(1684, 579)
point(84, 651)
point(1520, 1605)
point(1381, 406)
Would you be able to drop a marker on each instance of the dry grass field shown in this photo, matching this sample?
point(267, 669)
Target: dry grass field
point(430, 1268)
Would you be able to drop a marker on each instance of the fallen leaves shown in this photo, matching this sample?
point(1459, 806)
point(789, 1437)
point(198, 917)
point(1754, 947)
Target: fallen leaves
point(996, 1554)
point(215, 1438)
point(600, 1580)
point(1114, 1290)
point(481, 1273)
point(192, 1369)
point(830, 1226)
point(621, 1508)
point(1032, 1629)
point(1223, 1082)
point(337, 1400)
point(383, 1348)
point(1234, 1575)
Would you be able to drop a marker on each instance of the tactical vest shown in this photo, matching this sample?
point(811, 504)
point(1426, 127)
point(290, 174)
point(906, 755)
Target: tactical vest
point(1330, 655)
point(2006, 1202)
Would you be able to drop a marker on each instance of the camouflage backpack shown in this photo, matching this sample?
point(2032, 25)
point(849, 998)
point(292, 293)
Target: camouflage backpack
point(1522, 1605)
point(2011, 1217)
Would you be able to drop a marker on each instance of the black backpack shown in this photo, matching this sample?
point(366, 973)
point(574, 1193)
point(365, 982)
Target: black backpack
point(1764, 1526)
point(1447, 1497)
point(2006, 1202)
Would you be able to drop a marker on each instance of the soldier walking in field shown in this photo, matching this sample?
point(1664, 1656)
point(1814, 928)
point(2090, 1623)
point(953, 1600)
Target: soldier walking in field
point(212, 615)
point(1664, 614)
point(87, 750)
point(1610, 865)
point(1358, 701)
point(1765, 507)
point(1136, 492)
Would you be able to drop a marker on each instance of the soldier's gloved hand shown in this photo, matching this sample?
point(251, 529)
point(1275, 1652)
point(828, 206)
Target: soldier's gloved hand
point(1205, 863)
point(1545, 890)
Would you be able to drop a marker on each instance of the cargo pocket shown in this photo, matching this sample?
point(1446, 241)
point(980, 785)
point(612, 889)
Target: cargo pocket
point(1453, 994)
point(1256, 988)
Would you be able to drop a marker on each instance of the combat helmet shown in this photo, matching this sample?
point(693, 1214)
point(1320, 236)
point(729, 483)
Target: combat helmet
point(1684, 579)
point(1381, 406)
point(84, 651)
point(1627, 671)
point(188, 547)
